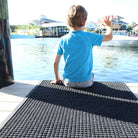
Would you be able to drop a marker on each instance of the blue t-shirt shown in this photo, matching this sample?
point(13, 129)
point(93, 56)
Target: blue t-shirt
point(76, 47)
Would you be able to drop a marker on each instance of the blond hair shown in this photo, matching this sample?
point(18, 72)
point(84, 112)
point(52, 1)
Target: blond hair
point(76, 16)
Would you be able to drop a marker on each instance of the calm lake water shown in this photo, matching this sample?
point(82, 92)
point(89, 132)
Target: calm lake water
point(33, 60)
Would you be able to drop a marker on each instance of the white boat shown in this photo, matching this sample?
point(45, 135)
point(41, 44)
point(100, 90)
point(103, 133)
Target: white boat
point(121, 39)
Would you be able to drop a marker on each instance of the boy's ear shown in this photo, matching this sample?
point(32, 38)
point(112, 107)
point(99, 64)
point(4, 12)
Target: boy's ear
point(84, 23)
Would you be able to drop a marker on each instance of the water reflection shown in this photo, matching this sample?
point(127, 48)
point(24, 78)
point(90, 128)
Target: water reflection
point(116, 63)
point(110, 62)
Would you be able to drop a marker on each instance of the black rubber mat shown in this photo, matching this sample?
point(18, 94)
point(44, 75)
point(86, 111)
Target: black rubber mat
point(105, 110)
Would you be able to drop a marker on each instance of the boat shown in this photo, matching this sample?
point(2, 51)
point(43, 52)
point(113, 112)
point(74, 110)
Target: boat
point(120, 39)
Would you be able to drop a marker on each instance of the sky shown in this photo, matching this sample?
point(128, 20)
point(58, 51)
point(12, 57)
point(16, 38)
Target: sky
point(24, 11)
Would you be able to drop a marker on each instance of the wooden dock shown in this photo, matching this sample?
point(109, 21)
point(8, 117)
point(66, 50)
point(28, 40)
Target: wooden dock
point(12, 96)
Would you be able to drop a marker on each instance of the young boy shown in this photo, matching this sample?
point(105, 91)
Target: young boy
point(76, 47)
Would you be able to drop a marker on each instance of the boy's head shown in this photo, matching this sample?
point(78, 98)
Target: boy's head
point(76, 16)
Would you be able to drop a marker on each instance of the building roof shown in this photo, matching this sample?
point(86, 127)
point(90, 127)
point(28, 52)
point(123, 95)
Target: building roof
point(54, 24)
point(43, 19)
point(135, 26)
point(119, 17)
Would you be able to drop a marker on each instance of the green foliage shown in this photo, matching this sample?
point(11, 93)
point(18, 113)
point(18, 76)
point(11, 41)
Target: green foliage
point(25, 27)
point(123, 27)
point(86, 30)
point(13, 28)
point(129, 29)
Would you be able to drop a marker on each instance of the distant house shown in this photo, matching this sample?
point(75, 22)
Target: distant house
point(117, 21)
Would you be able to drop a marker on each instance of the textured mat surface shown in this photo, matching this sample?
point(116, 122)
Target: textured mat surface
point(107, 109)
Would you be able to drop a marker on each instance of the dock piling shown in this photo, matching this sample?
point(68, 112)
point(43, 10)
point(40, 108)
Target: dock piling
point(6, 69)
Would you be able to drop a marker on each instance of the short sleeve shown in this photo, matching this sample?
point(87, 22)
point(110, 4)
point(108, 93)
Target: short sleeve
point(96, 39)
point(60, 49)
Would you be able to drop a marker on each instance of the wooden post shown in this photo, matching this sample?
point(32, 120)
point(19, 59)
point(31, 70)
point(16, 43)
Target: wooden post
point(6, 69)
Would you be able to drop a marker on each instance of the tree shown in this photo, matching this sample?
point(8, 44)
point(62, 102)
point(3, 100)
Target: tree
point(129, 28)
point(13, 27)
point(123, 27)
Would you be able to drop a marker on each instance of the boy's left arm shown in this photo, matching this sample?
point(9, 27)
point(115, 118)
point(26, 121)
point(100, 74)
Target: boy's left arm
point(55, 65)
point(108, 25)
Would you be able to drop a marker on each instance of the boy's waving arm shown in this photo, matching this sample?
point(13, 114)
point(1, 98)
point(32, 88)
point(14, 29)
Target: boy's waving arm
point(108, 25)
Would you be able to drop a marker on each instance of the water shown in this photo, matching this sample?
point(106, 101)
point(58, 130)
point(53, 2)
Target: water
point(33, 60)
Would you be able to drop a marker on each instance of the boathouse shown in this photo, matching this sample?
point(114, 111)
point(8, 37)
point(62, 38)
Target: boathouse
point(58, 29)
point(54, 29)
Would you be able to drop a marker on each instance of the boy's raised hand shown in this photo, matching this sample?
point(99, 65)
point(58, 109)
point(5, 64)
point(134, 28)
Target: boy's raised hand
point(107, 22)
